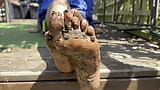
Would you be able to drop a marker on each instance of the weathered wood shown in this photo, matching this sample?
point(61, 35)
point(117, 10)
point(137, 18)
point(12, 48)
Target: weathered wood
point(141, 33)
point(106, 84)
point(46, 85)
point(137, 12)
point(7, 10)
point(142, 11)
point(119, 60)
point(111, 3)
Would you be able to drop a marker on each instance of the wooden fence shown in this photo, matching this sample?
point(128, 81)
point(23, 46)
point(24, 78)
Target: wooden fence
point(132, 15)
point(126, 11)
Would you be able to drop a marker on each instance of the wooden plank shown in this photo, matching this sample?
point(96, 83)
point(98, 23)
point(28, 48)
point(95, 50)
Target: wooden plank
point(141, 33)
point(106, 84)
point(124, 12)
point(46, 85)
point(143, 12)
point(131, 84)
point(116, 63)
point(111, 3)
point(157, 9)
point(137, 5)
point(118, 13)
point(144, 4)
point(146, 35)
point(142, 7)
point(7, 10)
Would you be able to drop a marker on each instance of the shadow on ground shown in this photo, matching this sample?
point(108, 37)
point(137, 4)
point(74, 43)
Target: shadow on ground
point(130, 58)
point(55, 80)
point(126, 58)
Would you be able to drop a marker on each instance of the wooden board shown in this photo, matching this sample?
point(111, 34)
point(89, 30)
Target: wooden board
point(106, 84)
point(120, 59)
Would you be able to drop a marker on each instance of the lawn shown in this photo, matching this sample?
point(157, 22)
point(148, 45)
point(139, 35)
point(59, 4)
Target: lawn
point(16, 36)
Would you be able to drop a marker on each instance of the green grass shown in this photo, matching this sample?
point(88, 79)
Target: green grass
point(16, 36)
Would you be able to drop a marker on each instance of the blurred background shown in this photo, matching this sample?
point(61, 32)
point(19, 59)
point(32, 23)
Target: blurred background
point(18, 9)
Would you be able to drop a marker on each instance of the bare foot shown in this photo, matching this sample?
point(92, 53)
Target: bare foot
point(75, 46)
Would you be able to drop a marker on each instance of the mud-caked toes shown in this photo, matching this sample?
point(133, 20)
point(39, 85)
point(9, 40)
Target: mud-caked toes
point(75, 22)
point(48, 36)
point(67, 20)
point(84, 24)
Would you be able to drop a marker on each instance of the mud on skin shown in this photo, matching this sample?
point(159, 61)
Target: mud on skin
point(74, 47)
